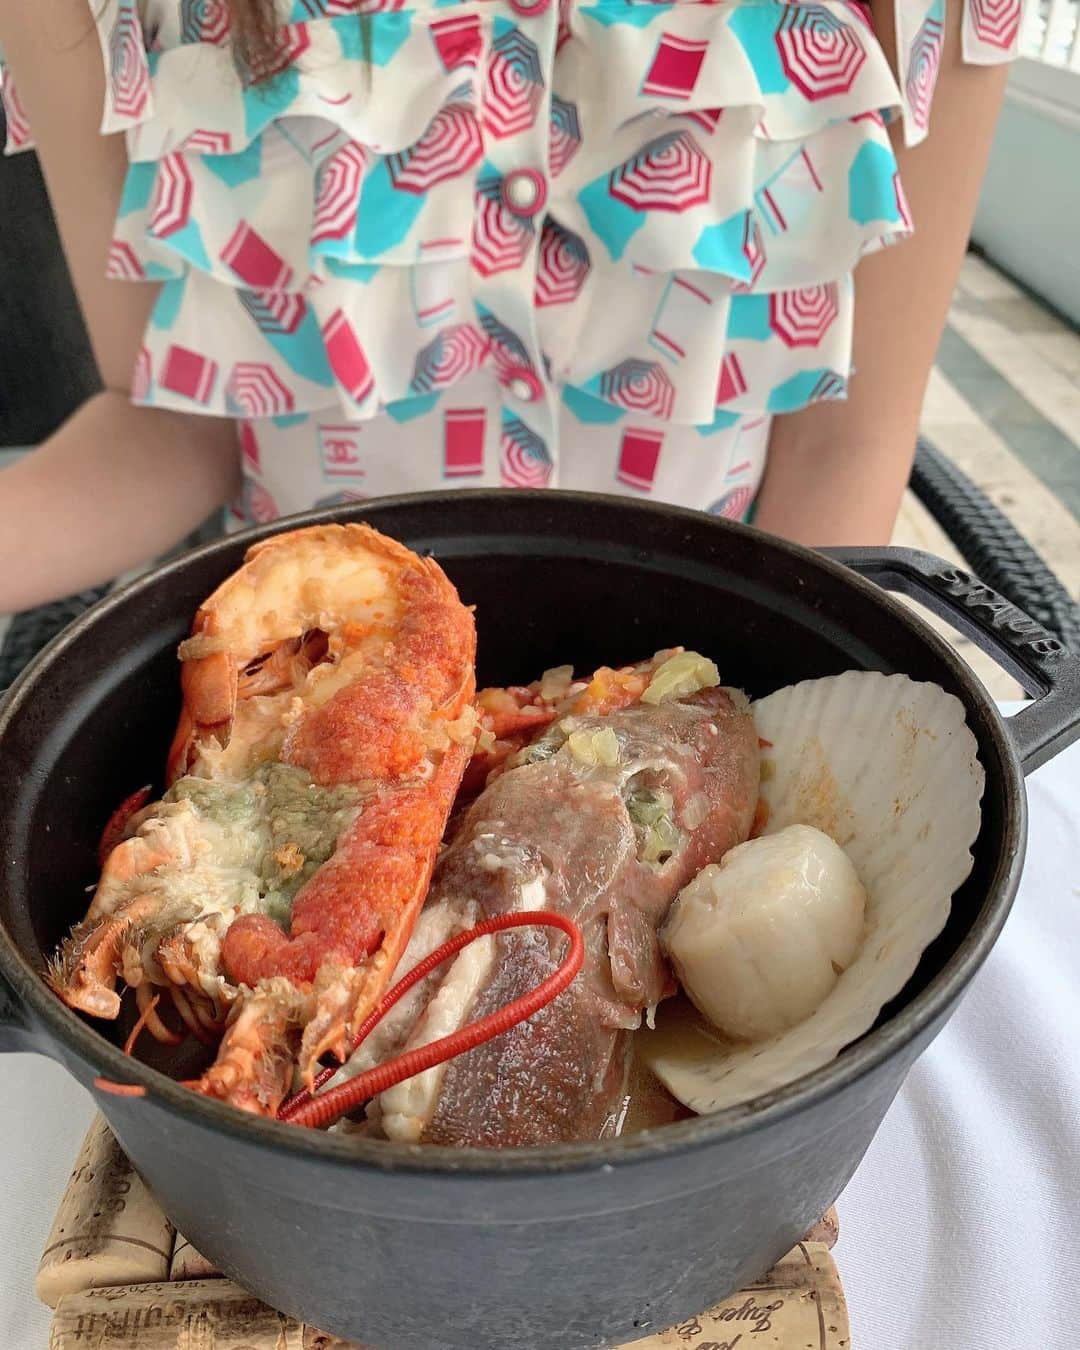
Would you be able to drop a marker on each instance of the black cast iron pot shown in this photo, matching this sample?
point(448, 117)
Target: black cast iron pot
point(424, 1248)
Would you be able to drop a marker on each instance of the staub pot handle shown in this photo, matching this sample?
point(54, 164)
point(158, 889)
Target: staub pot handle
point(1041, 662)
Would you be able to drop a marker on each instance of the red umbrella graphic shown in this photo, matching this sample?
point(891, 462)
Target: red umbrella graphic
point(732, 505)
point(565, 134)
point(671, 173)
point(18, 125)
point(448, 358)
point(641, 386)
point(801, 318)
point(508, 353)
point(279, 312)
point(129, 77)
point(562, 266)
point(820, 54)
point(293, 41)
point(339, 183)
point(256, 390)
point(207, 142)
point(170, 206)
point(922, 72)
point(204, 21)
point(996, 21)
point(452, 143)
point(515, 84)
point(526, 462)
point(501, 239)
point(124, 264)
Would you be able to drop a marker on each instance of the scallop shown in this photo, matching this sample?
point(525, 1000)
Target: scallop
point(889, 770)
point(759, 940)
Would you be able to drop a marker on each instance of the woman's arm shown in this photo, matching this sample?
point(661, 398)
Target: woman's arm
point(116, 483)
point(836, 471)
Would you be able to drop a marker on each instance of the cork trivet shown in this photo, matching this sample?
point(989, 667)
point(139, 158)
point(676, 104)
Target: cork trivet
point(188, 1263)
point(115, 1233)
point(799, 1305)
point(826, 1230)
point(193, 1315)
point(108, 1230)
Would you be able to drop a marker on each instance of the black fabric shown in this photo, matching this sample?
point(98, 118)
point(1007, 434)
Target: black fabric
point(46, 366)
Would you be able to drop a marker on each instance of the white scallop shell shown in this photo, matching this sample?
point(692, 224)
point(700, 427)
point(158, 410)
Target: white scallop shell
point(890, 770)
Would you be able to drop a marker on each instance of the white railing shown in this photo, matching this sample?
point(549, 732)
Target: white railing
point(1051, 33)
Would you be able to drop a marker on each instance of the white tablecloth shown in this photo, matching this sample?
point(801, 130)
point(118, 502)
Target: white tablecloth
point(959, 1229)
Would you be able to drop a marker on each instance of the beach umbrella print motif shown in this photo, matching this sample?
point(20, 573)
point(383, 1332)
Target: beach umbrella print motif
point(732, 505)
point(452, 144)
point(279, 313)
point(922, 70)
point(564, 134)
point(450, 356)
point(996, 22)
point(205, 142)
point(292, 42)
point(515, 85)
point(204, 21)
point(801, 318)
point(170, 206)
point(671, 173)
point(562, 266)
point(123, 264)
point(640, 386)
point(526, 462)
point(508, 352)
point(18, 124)
point(819, 53)
point(129, 77)
point(339, 182)
point(255, 389)
point(501, 239)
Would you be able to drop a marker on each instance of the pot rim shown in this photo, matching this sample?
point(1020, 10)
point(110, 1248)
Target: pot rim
point(855, 1062)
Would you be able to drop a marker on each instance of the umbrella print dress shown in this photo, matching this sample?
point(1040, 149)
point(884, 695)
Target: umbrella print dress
point(518, 243)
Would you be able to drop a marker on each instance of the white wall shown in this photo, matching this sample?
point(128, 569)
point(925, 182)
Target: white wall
point(1028, 219)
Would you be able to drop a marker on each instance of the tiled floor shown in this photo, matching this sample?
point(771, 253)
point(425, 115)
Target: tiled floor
point(1004, 405)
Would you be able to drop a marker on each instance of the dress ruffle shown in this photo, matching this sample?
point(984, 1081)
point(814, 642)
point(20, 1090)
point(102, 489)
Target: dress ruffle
point(350, 233)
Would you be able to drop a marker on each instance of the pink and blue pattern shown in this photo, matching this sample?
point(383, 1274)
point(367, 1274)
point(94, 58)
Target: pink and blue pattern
point(527, 243)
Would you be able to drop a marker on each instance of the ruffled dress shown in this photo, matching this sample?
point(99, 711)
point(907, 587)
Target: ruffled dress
point(523, 243)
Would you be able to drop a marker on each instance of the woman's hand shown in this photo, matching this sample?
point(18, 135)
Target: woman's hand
point(836, 472)
point(116, 484)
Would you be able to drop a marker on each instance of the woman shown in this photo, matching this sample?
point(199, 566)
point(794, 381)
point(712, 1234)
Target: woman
point(604, 245)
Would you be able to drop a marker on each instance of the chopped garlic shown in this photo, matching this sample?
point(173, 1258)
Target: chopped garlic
point(680, 676)
point(595, 748)
point(555, 683)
